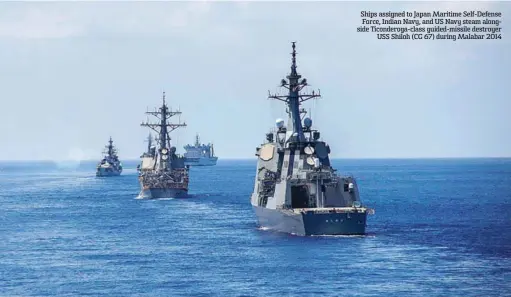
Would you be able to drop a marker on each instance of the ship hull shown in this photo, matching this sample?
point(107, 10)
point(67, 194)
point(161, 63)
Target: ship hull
point(103, 172)
point(156, 193)
point(311, 223)
point(200, 161)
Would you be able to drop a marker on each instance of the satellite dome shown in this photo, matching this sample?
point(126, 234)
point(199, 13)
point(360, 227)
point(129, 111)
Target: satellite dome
point(307, 122)
point(279, 123)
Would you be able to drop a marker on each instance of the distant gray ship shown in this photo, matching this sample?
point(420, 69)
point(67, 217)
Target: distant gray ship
point(296, 190)
point(110, 164)
point(162, 173)
point(200, 154)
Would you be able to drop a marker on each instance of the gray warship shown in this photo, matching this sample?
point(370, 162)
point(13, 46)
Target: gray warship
point(296, 189)
point(162, 173)
point(110, 164)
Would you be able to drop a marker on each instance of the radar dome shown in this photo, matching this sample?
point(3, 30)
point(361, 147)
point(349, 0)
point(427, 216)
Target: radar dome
point(307, 122)
point(279, 123)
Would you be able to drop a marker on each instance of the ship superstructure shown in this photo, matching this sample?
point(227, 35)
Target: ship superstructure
point(200, 154)
point(296, 189)
point(162, 172)
point(110, 164)
point(151, 149)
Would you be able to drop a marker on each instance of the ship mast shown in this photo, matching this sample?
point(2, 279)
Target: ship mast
point(294, 99)
point(110, 148)
point(149, 143)
point(197, 140)
point(163, 128)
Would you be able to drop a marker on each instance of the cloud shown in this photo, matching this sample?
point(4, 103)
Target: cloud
point(67, 19)
point(34, 23)
point(230, 53)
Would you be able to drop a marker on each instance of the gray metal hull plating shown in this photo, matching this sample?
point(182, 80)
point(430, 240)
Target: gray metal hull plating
point(103, 173)
point(201, 161)
point(155, 193)
point(311, 223)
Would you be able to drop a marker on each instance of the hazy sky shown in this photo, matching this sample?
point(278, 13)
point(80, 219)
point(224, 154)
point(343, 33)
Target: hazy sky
point(72, 74)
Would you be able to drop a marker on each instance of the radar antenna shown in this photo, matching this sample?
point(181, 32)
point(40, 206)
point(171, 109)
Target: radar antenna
point(294, 98)
point(163, 128)
point(110, 149)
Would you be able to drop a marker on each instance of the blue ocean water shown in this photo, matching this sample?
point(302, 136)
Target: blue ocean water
point(441, 228)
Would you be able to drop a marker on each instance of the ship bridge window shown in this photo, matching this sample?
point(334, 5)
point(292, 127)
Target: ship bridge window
point(299, 197)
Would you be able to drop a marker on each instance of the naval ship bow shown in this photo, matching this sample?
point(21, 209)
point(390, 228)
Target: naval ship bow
point(296, 189)
point(162, 173)
point(110, 164)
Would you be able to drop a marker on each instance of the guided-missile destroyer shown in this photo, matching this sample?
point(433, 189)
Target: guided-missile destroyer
point(162, 173)
point(296, 189)
point(110, 164)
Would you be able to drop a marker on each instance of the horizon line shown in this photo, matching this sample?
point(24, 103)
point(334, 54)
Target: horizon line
point(249, 159)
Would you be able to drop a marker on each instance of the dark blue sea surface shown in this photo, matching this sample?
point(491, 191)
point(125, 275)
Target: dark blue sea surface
point(441, 228)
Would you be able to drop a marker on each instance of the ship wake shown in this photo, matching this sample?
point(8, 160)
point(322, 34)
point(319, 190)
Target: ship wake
point(142, 197)
point(346, 236)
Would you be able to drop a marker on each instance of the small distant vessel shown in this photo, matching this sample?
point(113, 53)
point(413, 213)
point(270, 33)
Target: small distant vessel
point(200, 154)
point(110, 164)
point(296, 189)
point(162, 173)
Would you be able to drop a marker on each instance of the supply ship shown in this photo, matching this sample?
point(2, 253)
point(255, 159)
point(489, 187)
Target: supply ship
point(199, 154)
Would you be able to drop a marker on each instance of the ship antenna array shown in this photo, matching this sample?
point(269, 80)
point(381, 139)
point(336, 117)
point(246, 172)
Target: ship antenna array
point(294, 98)
point(109, 148)
point(164, 127)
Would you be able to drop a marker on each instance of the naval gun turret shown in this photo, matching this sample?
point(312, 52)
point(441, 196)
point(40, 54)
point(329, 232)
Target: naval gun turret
point(296, 189)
